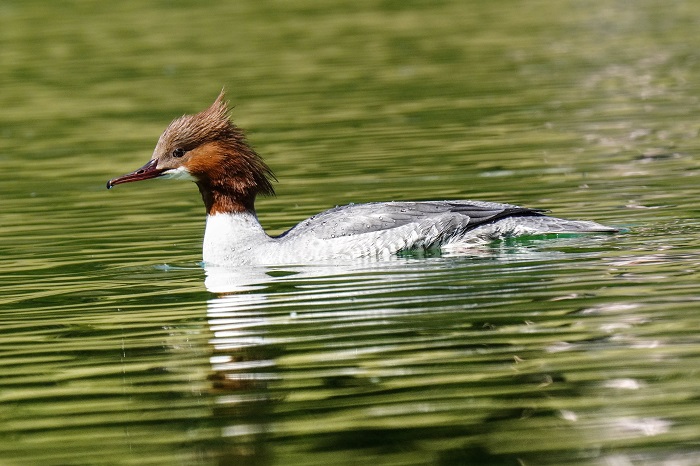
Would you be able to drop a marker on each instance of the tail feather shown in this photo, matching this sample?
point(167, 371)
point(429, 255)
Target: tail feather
point(549, 225)
point(528, 226)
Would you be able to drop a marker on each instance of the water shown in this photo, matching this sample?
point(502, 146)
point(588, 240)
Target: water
point(116, 349)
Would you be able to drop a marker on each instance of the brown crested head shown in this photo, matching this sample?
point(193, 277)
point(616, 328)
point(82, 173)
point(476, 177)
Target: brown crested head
point(213, 152)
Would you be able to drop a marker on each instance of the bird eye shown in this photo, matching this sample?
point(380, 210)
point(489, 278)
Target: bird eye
point(179, 152)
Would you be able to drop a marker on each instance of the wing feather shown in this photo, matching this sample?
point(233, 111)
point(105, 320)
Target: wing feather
point(451, 218)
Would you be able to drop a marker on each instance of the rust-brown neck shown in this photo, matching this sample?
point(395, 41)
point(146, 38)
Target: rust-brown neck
point(218, 200)
point(229, 175)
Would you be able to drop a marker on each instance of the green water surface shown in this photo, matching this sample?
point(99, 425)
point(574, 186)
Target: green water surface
point(115, 349)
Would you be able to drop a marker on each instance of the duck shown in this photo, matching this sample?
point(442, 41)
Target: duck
point(210, 150)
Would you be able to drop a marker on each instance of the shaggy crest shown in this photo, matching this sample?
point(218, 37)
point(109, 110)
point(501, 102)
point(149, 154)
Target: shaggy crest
point(210, 124)
point(245, 174)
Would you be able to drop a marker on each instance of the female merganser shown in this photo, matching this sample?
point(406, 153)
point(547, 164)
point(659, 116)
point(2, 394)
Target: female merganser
point(210, 150)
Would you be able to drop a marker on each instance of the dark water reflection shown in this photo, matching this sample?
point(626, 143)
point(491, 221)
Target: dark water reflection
point(116, 347)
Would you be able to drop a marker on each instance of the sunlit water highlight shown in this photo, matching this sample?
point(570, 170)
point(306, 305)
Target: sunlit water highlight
point(117, 347)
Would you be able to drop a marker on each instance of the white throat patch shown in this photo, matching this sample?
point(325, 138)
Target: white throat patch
point(179, 173)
